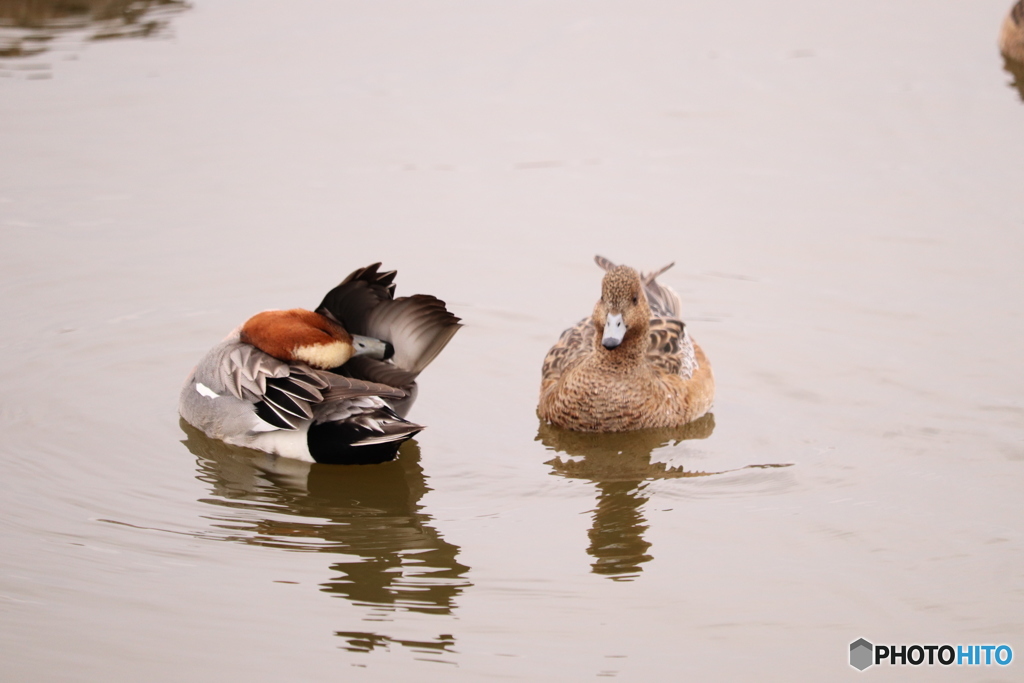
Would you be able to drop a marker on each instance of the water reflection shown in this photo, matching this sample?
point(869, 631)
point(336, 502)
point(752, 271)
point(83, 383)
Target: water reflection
point(32, 27)
point(368, 642)
point(620, 465)
point(385, 553)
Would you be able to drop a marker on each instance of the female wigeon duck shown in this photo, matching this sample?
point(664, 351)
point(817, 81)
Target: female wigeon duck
point(1011, 37)
point(331, 385)
point(631, 365)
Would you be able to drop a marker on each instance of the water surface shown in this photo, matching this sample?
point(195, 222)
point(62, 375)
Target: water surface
point(839, 187)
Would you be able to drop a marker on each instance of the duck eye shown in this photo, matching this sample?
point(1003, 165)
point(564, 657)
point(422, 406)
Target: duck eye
point(635, 299)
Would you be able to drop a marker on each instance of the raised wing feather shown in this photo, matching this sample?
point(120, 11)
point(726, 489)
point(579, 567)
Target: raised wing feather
point(604, 263)
point(418, 326)
point(352, 301)
point(662, 299)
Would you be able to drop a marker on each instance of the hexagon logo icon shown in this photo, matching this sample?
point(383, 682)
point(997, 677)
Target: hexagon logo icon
point(860, 654)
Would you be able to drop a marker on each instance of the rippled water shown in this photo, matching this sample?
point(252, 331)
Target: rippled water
point(839, 186)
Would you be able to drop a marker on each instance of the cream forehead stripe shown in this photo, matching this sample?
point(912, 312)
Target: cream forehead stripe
point(324, 355)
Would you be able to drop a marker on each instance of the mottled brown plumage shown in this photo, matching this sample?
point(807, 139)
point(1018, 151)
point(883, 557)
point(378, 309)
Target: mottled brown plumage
point(1011, 37)
point(656, 376)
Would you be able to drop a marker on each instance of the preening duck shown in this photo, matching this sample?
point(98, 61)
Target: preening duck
point(331, 385)
point(631, 365)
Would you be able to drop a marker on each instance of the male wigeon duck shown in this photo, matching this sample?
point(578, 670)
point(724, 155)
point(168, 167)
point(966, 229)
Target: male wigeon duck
point(329, 386)
point(631, 365)
point(1011, 37)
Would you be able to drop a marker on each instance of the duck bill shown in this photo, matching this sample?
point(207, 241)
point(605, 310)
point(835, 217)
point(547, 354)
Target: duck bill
point(614, 331)
point(373, 348)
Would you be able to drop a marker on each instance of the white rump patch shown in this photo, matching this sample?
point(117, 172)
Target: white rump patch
point(206, 391)
point(289, 443)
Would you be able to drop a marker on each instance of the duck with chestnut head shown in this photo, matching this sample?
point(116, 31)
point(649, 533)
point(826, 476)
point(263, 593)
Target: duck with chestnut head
point(331, 385)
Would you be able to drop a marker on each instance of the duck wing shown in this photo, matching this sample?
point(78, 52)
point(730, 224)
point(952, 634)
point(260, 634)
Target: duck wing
point(284, 394)
point(662, 299)
point(605, 264)
point(574, 344)
point(418, 326)
point(359, 404)
point(671, 348)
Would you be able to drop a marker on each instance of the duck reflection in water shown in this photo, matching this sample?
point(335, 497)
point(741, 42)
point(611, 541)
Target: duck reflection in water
point(394, 560)
point(32, 27)
point(620, 465)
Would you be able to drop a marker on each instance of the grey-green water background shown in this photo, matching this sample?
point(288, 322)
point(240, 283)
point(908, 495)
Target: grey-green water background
point(841, 186)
